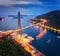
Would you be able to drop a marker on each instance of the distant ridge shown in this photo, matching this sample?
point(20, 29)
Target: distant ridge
point(53, 18)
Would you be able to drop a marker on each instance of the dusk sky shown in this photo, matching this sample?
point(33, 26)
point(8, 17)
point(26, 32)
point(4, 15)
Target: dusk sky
point(27, 7)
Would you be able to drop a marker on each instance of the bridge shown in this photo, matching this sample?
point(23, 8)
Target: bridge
point(43, 25)
point(48, 27)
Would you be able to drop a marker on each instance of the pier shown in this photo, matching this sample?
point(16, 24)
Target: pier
point(25, 43)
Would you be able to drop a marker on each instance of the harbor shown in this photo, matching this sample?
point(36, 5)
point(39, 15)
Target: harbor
point(29, 28)
point(22, 39)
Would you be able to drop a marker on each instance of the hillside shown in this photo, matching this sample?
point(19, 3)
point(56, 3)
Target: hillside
point(7, 50)
point(10, 48)
point(53, 18)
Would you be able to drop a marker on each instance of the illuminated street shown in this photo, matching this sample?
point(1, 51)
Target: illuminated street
point(29, 27)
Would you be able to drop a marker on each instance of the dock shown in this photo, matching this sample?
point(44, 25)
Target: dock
point(25, 43)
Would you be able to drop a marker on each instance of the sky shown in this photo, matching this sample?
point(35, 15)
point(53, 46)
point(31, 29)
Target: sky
point(27, 7)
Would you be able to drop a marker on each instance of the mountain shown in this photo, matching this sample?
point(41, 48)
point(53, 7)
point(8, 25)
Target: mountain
point(52, 17)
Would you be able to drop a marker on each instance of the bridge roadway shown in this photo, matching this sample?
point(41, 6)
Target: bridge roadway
point(48, 27)
point(44, 26)
point(3, 33)
point(29, 48)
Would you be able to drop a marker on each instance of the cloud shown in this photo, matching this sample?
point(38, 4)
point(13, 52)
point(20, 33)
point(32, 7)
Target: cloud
point(27, 2)
point(27, 7)
point(19, 2)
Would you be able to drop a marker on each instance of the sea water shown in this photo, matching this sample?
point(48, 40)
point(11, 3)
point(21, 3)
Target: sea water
point(48, 44)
